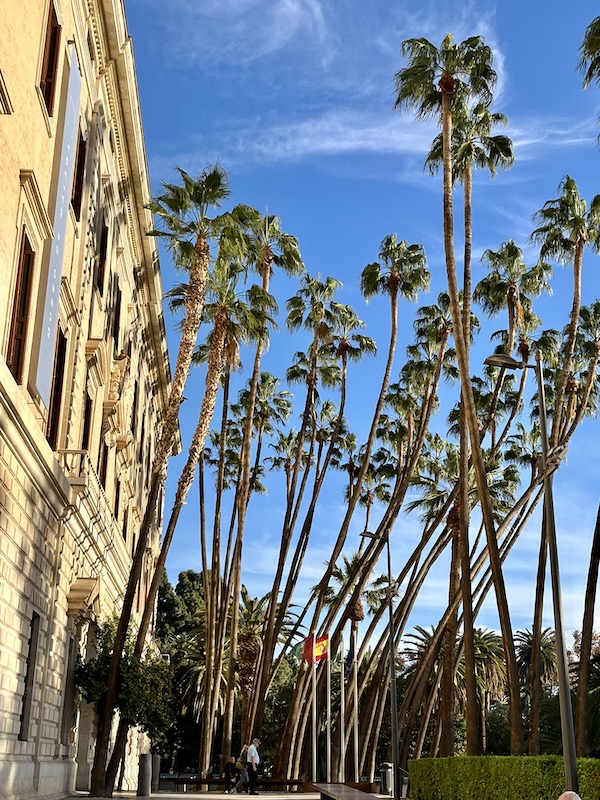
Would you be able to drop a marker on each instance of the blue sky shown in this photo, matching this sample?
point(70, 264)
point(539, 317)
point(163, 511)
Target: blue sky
point(294, 98)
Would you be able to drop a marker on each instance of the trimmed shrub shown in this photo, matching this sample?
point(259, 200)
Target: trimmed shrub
point(499, 777)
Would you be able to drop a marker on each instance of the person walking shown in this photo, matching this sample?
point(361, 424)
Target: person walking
point(230, 775)
point(242, 765)
point(253, 762)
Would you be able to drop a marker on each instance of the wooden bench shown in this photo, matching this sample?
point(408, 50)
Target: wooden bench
point(181, 783)
point(342, 791)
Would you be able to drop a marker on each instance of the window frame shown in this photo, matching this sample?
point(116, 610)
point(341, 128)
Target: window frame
point(21, 309)
point(58, 383)
point(29, 677)
point(49, 69)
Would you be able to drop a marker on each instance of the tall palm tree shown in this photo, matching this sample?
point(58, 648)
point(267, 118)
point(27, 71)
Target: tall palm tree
point(473, 145)
point(565, 226)
point(589, 62)
point(285, 447)
point(272, 407)
point(585, 655)
point(435, 83)
point(182, 215)
point(234, 319)
point(548, 671)
point(511, 285)
point(269, 247)
point(400, 272)
point(490, 671)
point(249, 645)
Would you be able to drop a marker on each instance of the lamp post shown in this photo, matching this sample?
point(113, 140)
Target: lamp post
point(391, 634)
point(564, 689)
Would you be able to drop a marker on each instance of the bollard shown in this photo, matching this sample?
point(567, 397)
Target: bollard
point(145, 775)
point(155, 772)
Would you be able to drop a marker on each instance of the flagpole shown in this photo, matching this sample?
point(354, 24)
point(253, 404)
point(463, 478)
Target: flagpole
point(314, 716)
point(355, 635)
point(342, 767)
point(328, 713)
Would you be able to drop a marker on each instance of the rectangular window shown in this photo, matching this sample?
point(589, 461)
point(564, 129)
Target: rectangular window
point(117, 499)
point(140, 453)
point(68, 713)
point(29, 677)
point(103, 465)
point(90, 45)
point(148, 463)
point(77, 193)
point(20, 315)
point(87, 422)
point(116, 326)
point(125, 522)
point(50, 61)
point(134, 408)
point(5, 104)
point(102, 254)
point(57, 390)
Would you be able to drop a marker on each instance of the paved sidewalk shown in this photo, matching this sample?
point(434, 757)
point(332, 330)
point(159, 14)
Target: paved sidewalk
point(214, 795)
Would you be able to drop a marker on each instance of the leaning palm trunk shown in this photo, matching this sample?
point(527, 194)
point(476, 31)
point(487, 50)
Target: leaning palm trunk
point(300, 687)
point(277, 612)
point(569, 348)
point(404, 475)
point(447, 84)
point(191, 324)
point(585, 655)
point(472, 716)
point(429, 707)
point(215, 369)
point(536, 640)
point(449, 647)
point(242, 499)
point(414, 694)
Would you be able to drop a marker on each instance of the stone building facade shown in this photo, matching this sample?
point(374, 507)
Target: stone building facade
point(84, 374)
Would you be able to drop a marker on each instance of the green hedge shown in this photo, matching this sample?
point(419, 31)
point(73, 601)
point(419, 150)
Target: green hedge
point(499, 777)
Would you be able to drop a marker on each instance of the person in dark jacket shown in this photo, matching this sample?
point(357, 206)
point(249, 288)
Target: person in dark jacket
point(230, 774)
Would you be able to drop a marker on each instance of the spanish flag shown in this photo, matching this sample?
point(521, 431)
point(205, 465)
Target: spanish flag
point(322, 647)
point(315, 649)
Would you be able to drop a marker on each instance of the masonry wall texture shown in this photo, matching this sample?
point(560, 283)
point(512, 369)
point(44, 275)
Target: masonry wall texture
point(80, 303)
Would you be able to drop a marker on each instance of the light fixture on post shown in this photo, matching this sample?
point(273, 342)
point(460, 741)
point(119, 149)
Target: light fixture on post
point(392, 588)
point(564, 688)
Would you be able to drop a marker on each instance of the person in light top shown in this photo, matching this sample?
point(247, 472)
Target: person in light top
point(253, 762)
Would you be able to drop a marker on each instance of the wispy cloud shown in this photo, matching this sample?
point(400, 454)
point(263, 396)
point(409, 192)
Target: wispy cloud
point(236, 32)
point(343, 131)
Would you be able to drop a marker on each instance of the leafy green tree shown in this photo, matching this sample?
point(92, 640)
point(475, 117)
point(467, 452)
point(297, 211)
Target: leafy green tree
point(145, 686)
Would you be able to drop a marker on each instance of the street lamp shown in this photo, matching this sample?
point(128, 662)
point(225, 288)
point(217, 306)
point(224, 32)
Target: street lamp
point(391, 634)
point(564, 690)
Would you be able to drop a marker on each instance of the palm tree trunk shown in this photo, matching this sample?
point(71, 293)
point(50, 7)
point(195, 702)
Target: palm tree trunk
point(191, 325)
point(583, 676)
point(472, 717)
point(569, 348)
point(447, 86)
point(448, 656)
point(536, 640)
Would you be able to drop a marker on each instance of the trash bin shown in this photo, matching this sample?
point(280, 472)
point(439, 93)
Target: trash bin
point(387, 778)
